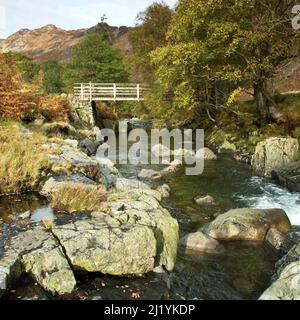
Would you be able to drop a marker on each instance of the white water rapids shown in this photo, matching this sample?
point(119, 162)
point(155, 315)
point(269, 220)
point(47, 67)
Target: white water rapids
point(273, 196)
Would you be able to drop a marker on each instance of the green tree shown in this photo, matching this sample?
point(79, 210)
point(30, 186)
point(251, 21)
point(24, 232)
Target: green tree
point(94, 59)
point(51, 77)
point(28, 68)
point(149, 34)
point(216, 47)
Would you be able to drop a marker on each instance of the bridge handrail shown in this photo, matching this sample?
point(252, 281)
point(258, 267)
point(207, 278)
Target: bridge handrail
point(110, 91)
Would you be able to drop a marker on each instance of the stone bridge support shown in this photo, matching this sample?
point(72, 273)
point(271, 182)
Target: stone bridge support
point(82, 111)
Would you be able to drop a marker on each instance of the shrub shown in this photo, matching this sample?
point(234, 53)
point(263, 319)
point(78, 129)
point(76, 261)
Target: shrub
point(13, 99)
point(296, 133)
point(54, 108)
point(58, 129)
point(104, 111)
point(20, 101)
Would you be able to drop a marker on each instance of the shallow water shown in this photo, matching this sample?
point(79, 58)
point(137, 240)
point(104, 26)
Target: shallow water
point(12, 206)
point(242, 271)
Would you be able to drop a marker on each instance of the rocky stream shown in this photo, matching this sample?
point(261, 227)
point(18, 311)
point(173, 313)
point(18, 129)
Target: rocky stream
point(164, 235)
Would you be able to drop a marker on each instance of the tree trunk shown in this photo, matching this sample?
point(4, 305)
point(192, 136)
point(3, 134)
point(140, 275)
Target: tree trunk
point(263, 101)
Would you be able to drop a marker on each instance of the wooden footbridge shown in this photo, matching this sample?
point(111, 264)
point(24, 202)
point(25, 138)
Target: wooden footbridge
point(110, 91)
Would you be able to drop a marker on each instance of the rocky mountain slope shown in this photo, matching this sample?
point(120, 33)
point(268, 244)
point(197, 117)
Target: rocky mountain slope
point(53, 43)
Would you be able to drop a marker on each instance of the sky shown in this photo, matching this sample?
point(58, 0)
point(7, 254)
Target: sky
point(68, 14)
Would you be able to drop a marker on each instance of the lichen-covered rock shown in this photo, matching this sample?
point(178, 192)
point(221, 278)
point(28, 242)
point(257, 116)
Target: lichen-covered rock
point(133, 194)
point(81, 162)
point(54, 184)
point(288, 176)
point(248, 224)
point(110, 174)
point(206, 154)
point(227, 148)
point(276, 238)
point(199, 241)
point(164, 191)
point(146, 210)
point(207, 200)
point(172, 168)
point(36, 252)
point(103, 244)
point(287, 287)
point(184, 153)
point(273, 153)
point(147, 174)
point(292, 256)
point(88, 146)
point(123, 184)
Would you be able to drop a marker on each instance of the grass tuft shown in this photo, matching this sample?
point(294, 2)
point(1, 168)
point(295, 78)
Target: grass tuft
point(23, 161)
point(78, 197)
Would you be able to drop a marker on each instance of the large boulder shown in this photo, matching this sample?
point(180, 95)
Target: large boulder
point(37, 253)
point(54, 184)
point(287, 287)
point(291, 256)
point(288, 176)
point(248, 224)
point(273, 153)
point(81, 162)
point(201, 242)
point(103, 244)
point(143, 208)
point(134, 202)
point(287, 279)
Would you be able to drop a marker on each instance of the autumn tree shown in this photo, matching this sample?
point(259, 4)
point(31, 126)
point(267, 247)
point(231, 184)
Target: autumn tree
point(148, 35)
point(214, 48)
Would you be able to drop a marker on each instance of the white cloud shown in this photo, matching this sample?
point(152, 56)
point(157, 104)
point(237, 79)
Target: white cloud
point(70, 14)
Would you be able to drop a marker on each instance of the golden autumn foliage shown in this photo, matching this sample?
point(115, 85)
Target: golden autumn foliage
point(13, 99)
point(105, 111)
point(18, 98)
point(26, 162)
point(54, 108)
point(79, 197)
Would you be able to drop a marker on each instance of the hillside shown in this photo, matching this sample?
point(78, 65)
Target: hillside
point(53, 43)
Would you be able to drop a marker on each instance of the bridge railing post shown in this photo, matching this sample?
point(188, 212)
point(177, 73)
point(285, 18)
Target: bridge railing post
point(81, 92)
point(115, 92)
point(91, 92)
point(138, 92)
